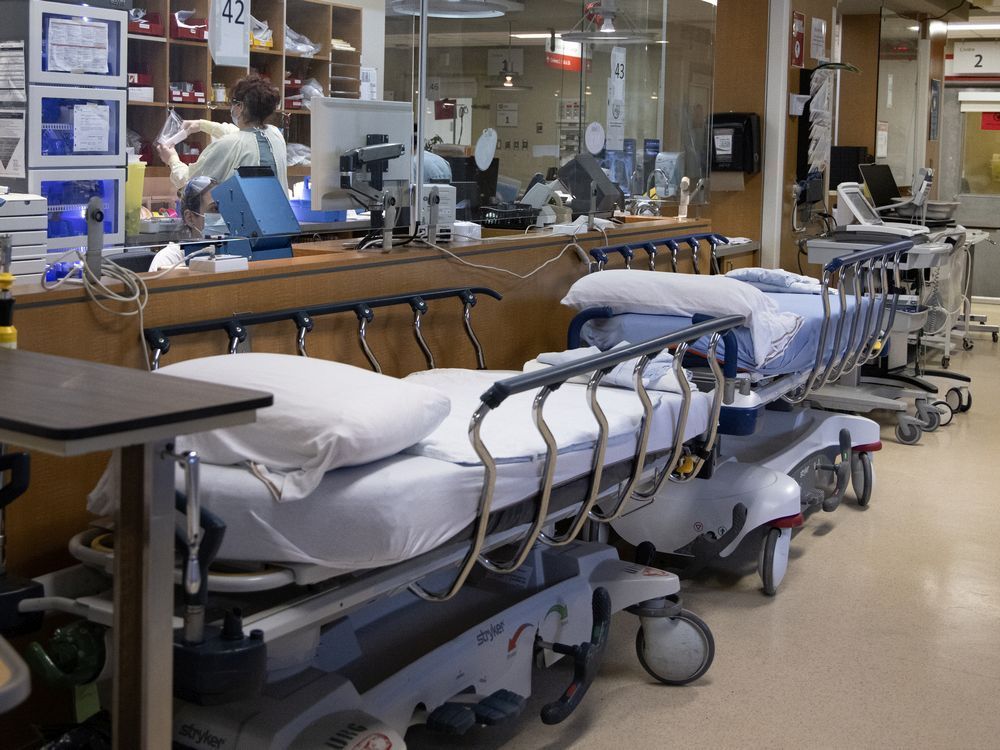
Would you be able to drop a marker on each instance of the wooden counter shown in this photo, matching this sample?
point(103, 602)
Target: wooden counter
point(527, 321)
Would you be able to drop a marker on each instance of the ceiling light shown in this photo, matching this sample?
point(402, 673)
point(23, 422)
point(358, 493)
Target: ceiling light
point(973, 26)
point(507, 82)
point(535, 35)
point(598, 26)
point(913, 28)
point(462, 9)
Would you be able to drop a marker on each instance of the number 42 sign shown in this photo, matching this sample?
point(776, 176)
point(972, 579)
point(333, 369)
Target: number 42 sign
point(229, 32)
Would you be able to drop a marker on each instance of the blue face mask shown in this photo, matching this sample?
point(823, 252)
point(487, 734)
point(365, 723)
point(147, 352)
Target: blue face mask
point(215, 226)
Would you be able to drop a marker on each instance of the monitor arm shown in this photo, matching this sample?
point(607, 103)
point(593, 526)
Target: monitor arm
point(372, 159)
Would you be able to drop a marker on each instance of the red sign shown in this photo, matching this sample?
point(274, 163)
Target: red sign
point(798, 47)
point(991, 121)
point(565, 56)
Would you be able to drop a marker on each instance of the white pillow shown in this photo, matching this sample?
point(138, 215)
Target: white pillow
point(661, 293)
point(325, 415)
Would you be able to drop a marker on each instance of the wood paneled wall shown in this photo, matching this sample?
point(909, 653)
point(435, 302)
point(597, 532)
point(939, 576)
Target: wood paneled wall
point(859, 91)
point(740, 79)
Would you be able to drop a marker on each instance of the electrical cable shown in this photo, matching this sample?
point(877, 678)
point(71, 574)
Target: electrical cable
point(572, 244)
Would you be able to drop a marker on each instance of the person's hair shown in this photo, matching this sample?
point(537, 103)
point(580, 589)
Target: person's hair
point(191, 193)
point(258, 96)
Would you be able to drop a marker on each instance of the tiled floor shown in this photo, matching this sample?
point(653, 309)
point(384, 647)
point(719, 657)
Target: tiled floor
point(885, 633)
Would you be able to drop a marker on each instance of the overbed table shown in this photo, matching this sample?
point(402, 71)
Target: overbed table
point(69, 407)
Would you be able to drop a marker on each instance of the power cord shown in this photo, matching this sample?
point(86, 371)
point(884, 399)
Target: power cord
point(135, 291)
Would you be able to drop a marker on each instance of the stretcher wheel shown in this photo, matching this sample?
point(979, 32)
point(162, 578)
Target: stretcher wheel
point(930, 419)
point(954, 399)
point(967, 344)
point(862, 477)
point(946, 412)
point(677, 650)
point(945, 362)
point(908, 433)
point(968, 403)
point(772, 562)
point(996, 337)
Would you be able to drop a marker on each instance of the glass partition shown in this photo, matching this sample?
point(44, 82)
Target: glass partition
point(897, 93)
point(626, 82)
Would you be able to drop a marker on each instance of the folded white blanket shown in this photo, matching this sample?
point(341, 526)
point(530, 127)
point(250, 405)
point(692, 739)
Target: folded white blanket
point(682, 294)
point(659, 374)
point(777, 280)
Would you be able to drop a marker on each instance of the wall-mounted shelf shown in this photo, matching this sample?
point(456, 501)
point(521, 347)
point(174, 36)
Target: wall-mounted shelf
point(165, 59)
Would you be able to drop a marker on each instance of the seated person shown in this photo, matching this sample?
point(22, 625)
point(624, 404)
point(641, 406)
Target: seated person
point(201, 218)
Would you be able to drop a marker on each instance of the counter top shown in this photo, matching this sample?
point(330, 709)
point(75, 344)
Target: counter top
point(332, 255)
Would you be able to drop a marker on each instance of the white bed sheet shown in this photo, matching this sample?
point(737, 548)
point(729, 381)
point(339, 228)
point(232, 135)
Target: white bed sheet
point(403, 506)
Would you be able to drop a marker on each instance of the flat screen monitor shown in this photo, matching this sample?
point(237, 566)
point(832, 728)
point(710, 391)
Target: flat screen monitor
point(855, 200)
point(880, 183)
point(578, 174)
point(341, 125)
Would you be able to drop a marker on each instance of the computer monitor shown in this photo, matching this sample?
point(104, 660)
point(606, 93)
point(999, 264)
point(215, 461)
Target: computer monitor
point(578, 174)
point(341, 125)
point(880, 183)
point(478, 187)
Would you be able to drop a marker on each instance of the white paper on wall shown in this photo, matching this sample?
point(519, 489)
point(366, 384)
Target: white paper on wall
point(91, 127)
point(12, 143)
point(12, 72)
point(77, 46)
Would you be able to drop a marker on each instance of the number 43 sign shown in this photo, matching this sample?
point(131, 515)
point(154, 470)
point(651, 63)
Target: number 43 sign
point(229, 32)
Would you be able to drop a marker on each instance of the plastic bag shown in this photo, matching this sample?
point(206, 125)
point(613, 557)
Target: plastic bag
point(172, 131)
point(260, 31)
point(299, 43)
point(298, 155)
point(310, 89)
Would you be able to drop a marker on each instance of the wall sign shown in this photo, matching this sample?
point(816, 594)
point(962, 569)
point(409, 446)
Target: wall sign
point(565, 56)
point(229, 32)
point(507, 114)
point(798, 48)
point(616, 101)
point(934, 127)
point(976, 58)
point(817, 40)
point(503, 61)
point(990, 121)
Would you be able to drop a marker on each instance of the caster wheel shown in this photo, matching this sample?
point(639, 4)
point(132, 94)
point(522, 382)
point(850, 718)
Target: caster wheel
point(945, 410)
point(967, 344)
point(675, 650)
point(862, 477)
point(967, 404)
point(772, 562)
point(954, 399)
point(996, 337)
point(945, 362)
point(908, 433)
point(930, 419)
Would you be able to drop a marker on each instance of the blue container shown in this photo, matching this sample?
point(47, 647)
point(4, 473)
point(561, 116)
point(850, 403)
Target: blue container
point(304, 213)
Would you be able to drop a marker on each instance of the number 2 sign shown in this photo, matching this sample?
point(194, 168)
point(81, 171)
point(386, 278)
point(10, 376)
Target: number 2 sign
point(229, 32)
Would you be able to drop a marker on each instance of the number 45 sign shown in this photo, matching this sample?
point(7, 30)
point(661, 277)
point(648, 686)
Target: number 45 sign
point(229, 32)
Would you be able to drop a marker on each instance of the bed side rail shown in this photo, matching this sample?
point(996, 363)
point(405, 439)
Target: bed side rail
point(870, 274)
point(543, 383)
point(158, 338)
point(673, 245)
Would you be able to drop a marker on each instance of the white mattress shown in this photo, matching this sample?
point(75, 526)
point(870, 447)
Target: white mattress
point(403, 506)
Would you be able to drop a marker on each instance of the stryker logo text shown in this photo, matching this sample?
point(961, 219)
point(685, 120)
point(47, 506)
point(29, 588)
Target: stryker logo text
point(488, 635)
point(201, 737)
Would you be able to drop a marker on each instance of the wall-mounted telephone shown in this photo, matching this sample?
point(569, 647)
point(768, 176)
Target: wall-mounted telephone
point(736, 142)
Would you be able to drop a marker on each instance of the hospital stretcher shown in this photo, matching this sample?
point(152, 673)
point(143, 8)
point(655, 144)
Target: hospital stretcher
point(349, 631)
point(777, 459)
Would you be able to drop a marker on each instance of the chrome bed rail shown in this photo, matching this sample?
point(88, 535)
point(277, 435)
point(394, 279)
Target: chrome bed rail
point(872, 274)
point(303, 318)
point(544, 382)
